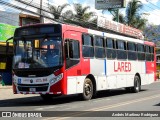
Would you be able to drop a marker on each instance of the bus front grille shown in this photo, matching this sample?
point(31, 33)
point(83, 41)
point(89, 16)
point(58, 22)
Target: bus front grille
point(29, 88)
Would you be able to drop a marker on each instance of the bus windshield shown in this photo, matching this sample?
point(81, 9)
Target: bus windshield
point(28, 55)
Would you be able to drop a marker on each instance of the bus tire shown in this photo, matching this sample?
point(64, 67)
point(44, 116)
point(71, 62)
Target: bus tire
point(137, 85)
point(87, 89)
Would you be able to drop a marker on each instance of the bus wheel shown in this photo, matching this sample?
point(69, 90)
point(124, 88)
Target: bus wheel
point(137, 85)
point(87, 89)
point(47, 97)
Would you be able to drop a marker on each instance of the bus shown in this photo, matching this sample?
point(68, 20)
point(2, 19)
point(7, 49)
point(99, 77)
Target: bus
point(6, 31)
point(61, 59)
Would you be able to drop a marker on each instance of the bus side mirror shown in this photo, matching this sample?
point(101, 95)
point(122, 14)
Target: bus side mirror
point(7, 44)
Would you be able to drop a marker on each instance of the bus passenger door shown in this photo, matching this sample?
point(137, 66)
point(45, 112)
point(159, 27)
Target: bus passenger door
point(72, 61)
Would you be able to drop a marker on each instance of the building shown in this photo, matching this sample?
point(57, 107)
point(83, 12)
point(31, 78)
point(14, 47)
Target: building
point(18, 19)
point(9, 18)
point(8, 22)
point(25, 19)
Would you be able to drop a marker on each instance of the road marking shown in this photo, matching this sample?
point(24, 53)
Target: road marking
point(124, 103)
point(104, 108)
point(100, 100)
point(51, 107)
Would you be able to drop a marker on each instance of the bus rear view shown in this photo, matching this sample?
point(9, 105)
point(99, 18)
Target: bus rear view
point(37, 62)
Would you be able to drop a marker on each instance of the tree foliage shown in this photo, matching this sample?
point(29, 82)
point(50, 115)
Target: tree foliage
point(81, 13)
point(133, 18)
point(58, 13)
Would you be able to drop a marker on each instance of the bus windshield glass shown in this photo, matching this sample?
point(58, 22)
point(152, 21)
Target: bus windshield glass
point(37, 53)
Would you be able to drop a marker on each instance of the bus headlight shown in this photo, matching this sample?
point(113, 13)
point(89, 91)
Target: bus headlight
point(56, 79)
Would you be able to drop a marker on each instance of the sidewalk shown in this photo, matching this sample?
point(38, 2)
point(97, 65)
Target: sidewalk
point(6, 93)
point(5, 87)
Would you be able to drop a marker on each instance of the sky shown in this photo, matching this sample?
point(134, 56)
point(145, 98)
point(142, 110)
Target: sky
point(151, 8)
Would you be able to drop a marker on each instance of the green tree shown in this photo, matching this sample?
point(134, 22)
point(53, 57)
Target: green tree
point(151, 33)
point(132, 12)
point(139, 23)
point(133, 18)
point(82, 14)
point(58, 13)
point(121, 18)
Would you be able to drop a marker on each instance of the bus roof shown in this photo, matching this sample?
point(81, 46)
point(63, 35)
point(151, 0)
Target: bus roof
point(114, 36)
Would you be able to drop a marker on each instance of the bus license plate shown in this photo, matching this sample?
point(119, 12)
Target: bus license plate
point(32, 89)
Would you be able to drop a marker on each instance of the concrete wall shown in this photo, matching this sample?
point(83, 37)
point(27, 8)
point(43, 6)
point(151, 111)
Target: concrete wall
point(9, 18)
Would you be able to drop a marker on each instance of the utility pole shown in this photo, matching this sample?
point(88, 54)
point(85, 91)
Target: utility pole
point(41, 16)
point(115, 14)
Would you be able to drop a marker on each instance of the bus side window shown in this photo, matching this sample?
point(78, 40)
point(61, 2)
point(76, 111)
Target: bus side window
point(110, 48)
point(66, 49)
point(121, 50)
point(74, 49)
point(99, 47)
point(148, 53)
point(87, 48)
point(72, 53)
point(141, 53)
point(152, 53)
point(132, 53)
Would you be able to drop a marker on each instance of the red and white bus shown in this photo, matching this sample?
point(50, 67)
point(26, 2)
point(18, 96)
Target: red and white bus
point(61, 59)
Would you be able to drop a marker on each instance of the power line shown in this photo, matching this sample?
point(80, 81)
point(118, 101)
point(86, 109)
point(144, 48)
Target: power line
point(44, 10)
point(17, 7)
point(152, 9)
point(26, 6)
point(149, 13)
point(152, 4)
point(11, 6)
point(37, 5)
point(5, 17)
point(20, 8)
point(12, 11)
point(74, 21)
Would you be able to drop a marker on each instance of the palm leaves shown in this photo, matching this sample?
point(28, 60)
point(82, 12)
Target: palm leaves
point(132, 11)
point(121, 18)
point(133, 18)
point(81, 13)
point(57, 11)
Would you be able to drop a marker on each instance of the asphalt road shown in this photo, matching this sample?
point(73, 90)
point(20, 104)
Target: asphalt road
point(106, 104)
